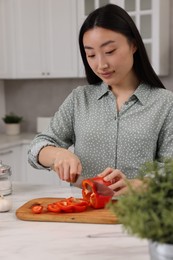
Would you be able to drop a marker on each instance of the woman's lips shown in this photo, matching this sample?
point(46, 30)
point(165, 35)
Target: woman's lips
point(106, 74)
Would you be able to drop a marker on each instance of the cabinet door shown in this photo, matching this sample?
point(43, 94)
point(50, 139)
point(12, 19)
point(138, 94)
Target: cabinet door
point(46, 37)
point(29, 31)
point(61, 38)
point(6, 39)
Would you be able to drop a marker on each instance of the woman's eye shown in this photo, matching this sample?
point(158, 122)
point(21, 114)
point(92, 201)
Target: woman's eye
point(110, 52)
point(91, 56)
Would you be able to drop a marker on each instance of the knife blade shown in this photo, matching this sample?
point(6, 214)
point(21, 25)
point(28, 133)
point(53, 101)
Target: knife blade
point(78, 182)
point(101, 188)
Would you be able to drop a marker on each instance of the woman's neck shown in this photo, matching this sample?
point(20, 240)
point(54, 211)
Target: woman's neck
point(124, 91)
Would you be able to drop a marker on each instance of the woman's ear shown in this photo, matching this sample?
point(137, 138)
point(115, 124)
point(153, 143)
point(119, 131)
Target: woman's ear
point(134, 47)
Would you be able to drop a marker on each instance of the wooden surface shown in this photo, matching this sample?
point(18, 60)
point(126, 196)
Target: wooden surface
point(95, 216)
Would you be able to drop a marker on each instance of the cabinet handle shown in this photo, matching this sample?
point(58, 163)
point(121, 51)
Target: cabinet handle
point(48, 73)
point(5, 153)
point(43, 73)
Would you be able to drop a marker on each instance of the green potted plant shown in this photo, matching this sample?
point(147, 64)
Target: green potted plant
point(148, 211)
point(12, 123)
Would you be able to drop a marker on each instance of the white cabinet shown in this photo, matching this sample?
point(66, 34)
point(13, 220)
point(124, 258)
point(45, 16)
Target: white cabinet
point(6, 39)
point(152, 20)
point(39, 38)
point(45, 38)
point(11, 156)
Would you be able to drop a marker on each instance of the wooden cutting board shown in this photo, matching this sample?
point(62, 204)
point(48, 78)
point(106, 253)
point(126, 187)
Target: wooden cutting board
point(95, 216)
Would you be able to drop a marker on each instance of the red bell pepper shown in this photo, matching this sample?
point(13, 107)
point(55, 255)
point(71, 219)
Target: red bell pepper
point(72, 204)
point(37, 209)
point(53, 207)
point(90, 194)
point(68, 205)
point(77, 201)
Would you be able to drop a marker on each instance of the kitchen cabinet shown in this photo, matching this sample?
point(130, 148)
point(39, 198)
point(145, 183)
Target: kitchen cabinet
point(6, 39)
point(39, 38)
point(46, 38)
point(11, 156)
point(152, 20)
point(44, 33)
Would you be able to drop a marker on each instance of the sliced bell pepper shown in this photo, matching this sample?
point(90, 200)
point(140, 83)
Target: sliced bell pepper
point(68, 205)
point(53, 207)
point(72, 204)
point(37, 209)
point(65, 206)
point(90, 194)
point(77, 202)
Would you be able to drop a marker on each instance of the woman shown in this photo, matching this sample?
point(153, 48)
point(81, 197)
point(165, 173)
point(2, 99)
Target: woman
point(120, 120)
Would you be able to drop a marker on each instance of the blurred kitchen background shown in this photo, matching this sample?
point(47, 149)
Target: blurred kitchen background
point(39, 57)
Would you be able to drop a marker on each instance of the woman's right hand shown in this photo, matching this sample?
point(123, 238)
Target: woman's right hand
point(65, 163)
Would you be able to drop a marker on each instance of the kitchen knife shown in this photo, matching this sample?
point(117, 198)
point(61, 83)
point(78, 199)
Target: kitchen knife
point(101, 188)
point(78, 182)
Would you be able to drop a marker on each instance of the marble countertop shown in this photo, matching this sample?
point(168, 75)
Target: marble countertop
point(13, 140)
point(31, 240)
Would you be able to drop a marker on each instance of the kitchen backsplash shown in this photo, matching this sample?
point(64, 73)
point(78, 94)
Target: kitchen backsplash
point(37, 98)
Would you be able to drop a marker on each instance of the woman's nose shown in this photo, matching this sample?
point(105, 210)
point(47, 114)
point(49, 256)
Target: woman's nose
point(103, 65)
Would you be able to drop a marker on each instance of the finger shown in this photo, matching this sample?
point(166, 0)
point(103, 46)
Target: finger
point(63, 169)
point(105, 172)
point(66, 172)
point(74, 171)
point(79, 168)
point(60, 171)
point(114, 176)
point(118, 185)
point(78, 173)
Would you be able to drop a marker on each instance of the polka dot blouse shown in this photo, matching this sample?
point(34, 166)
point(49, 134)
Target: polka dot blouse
point(141, 131)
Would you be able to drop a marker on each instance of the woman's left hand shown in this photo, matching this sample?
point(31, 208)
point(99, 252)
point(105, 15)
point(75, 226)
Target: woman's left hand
point(119, 181)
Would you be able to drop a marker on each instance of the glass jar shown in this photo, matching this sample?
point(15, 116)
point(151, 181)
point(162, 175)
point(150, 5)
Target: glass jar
point(5, 179)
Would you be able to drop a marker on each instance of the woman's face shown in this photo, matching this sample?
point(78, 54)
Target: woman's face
point(110, 55)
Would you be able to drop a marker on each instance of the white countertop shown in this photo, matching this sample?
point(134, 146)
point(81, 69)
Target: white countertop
point(32, 240)
point(13, 140)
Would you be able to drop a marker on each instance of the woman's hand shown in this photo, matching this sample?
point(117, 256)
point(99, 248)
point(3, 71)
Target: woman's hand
point(67, 165)
point(119, 181)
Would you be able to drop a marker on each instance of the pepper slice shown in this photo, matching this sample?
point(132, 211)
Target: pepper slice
point(53, 207)
point(37, 209)
point(77, 202)
point(72, 204)
point(65, 206)
point(90, 194)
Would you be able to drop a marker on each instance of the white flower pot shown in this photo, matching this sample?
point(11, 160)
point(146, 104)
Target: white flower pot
point(12, 129)
point(160, 251)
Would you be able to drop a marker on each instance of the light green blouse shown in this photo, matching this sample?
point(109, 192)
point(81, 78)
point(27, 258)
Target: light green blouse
point(141, 131)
